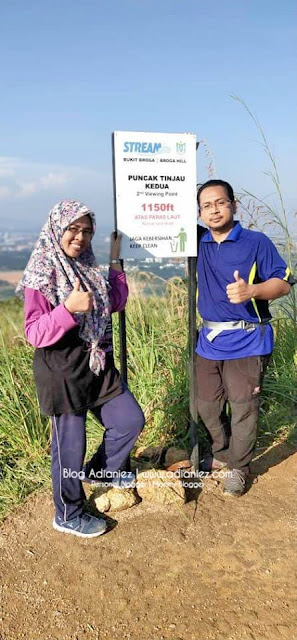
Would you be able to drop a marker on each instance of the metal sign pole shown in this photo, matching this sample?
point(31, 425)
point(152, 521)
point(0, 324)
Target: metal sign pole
point(192, 346)
point(192, 287)
point(123, 342)
point(122, 315)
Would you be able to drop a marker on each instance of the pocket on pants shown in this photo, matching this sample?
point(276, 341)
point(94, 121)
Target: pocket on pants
point(250, 367)
point(244, 379)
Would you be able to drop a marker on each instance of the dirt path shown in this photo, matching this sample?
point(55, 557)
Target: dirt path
point(221, 569)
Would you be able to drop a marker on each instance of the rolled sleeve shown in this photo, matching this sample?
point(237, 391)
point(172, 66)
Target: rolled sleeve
point(45, 325)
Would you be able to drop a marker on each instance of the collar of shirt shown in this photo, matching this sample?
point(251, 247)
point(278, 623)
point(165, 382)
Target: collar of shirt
point(233, 235)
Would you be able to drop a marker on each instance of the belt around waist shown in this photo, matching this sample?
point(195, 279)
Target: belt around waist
point(217, 327)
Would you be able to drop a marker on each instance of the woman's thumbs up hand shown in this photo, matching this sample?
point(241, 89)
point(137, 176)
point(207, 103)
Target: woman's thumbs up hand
point(79, 301)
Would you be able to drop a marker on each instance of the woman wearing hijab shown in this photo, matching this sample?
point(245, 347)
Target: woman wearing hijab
point(68, 306)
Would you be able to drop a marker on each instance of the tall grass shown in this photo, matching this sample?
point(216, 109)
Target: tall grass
point(278, 412)
point(279, 409)
point(262, 215)
point(157, 360)
point(157, 369)
point(24, 433)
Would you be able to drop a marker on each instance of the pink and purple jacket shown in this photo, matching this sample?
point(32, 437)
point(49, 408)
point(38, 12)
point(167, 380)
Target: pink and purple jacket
point(45, 325)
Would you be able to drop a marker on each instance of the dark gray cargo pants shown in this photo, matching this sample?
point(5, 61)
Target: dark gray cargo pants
point(238, 381)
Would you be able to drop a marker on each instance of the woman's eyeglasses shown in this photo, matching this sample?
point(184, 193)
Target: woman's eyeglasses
point(74, 230)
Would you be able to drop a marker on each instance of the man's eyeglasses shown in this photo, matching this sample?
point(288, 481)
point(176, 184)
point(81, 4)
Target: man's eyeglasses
point(74, 230)
point(220, 204)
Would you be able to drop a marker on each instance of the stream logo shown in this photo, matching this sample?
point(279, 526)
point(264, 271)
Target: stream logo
point(145, 147)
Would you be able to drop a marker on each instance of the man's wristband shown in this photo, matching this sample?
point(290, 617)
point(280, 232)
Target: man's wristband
point(117, 261)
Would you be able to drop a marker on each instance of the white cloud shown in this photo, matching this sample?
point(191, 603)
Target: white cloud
point(28, 188)
point(4, 192)
point(34, 187)
point(6, 172)
point(8, 161)
point(53, 179)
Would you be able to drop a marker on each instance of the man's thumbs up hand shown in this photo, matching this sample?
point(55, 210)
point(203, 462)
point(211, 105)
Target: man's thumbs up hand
point(236, 275)
point(239, 291)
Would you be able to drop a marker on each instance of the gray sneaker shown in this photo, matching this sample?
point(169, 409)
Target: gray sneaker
point(85, 526)
point(234, 483)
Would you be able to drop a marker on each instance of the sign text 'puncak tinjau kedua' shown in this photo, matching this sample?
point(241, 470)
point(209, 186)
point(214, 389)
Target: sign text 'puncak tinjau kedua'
point(155, 192)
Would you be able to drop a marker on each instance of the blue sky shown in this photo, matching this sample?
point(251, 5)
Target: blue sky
point(73, 71)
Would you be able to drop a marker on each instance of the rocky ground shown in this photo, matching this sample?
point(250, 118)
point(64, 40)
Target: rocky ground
point(215, 568)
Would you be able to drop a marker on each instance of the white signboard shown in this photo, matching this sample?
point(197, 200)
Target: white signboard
point(155, 189)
